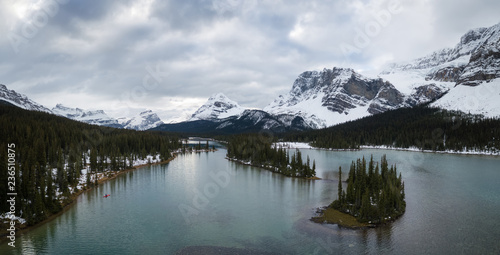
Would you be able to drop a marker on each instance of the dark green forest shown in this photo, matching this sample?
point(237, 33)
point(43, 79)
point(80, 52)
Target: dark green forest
point(374, 194)
point(421, 127)
point(50, 151)
point(259, 151)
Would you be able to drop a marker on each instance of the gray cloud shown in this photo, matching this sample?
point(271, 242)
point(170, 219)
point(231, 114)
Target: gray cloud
point(99, 54)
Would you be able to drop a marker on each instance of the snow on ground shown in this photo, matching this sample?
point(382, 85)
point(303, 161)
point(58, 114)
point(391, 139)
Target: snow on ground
point(415, 149)
point(293, 145)
point(297, 145)
point(6, 218)
point(82, 183)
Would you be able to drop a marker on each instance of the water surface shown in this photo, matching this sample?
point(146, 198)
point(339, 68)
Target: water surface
point(201, 199)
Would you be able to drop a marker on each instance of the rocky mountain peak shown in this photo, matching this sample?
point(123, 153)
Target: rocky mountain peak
point(20, 100)
point(484, 62)
point(144, 120)
point(335, 95)
point(472, 35)
point(218, 106)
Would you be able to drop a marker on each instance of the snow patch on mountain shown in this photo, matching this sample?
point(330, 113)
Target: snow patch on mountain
point(409, 80)
point(218, 106)
point(483, 99)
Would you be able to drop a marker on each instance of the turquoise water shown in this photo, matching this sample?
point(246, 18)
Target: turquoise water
point(453, 205)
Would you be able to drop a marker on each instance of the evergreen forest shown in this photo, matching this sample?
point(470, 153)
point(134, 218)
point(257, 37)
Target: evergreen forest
point(421, 127)
point(50, 152)
point(260, 151)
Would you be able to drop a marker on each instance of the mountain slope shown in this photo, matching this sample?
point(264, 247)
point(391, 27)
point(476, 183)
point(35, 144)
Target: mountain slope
point(468, 73)
point(474, 59)
point(19, 100)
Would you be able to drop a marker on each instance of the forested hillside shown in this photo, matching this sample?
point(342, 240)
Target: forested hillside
point(421, 127)
point(49, 152)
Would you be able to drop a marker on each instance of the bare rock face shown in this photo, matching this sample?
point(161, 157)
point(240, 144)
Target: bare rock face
point(449, 74)
point(426, 93)
point(484, 63)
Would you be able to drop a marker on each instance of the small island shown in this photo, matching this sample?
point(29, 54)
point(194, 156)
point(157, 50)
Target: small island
point(259, 151)
point(372, 197)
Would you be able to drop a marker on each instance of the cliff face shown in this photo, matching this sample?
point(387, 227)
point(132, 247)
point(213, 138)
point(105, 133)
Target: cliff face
point(337, 95)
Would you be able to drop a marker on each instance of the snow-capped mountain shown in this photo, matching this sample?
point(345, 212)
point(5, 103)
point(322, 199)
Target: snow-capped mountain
point(145, 120)
point(218, 106)
point(476, 58)
point(19, 100)
point(98, 117)
point(467, 75)
point(338, 95)
point(142, 121)
point(447, 76)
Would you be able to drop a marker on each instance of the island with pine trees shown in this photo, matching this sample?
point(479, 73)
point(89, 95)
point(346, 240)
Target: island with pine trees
point(257, 151)
point(372, 197)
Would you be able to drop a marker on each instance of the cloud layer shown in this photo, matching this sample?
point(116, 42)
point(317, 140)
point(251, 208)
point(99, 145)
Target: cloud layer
point(170, 56)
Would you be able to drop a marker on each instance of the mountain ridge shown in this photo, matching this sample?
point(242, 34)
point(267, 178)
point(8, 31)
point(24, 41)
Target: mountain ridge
point(20, 100)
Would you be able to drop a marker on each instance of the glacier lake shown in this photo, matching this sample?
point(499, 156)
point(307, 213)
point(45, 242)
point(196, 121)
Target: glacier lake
point(202, 199)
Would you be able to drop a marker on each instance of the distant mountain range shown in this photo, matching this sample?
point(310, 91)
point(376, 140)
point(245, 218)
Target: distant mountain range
point(143, 121)
point(465, 78)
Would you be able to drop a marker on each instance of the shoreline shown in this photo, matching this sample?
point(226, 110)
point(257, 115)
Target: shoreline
point(466, 153)
point(269, 168)
point(290, 145)
point(327, 215)
point(73, 197)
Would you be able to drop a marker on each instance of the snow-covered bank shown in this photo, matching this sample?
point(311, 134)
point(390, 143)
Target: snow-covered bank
point(105, 174)
point(415, 149)
point(298, 145)
point(293, 145)
point(7, 217)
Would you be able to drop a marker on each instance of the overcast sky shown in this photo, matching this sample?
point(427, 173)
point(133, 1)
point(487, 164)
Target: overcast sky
point(170, 56)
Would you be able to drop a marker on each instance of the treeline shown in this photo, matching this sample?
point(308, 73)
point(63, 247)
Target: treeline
point(259, 151)
point(374, 196)
point(421, 127)
point(186, 147)
point(51, 151)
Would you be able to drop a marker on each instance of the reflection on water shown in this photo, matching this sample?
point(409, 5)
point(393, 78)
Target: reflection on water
point(452, 207)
